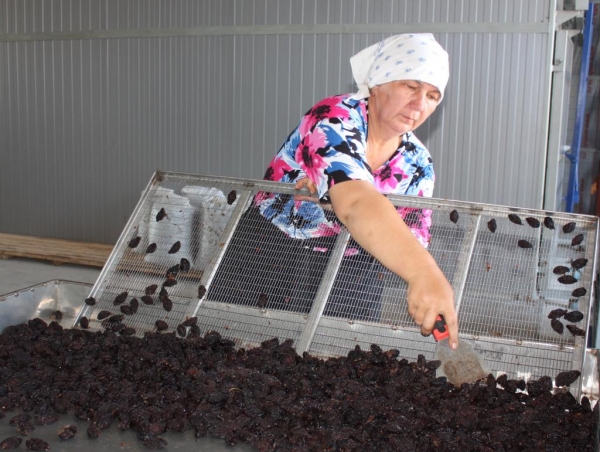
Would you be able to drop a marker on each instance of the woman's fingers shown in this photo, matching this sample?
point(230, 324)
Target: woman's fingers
point(306, 183)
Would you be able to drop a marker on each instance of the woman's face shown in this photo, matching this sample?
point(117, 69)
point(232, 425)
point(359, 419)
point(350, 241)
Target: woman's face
point(402, 105)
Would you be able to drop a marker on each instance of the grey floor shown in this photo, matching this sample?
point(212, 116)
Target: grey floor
point(20, 273)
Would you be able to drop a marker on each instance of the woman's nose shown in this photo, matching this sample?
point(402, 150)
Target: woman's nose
point(418, 102)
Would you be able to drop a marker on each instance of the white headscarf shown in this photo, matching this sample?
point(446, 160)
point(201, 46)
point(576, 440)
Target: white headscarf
point(415, 56)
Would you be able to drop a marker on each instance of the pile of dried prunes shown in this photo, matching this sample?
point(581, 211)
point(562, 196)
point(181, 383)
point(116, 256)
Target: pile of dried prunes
point(271, 398)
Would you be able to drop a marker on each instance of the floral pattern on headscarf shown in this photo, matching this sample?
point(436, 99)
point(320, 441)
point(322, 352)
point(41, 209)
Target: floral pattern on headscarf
point(328, 146)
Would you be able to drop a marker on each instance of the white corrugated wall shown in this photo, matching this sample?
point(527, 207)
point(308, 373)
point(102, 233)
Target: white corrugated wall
point(97, 94)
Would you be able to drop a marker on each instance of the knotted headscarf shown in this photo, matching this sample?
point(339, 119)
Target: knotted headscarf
point(415, 56)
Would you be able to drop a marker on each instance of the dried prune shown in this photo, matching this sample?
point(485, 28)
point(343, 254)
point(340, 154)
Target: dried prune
point(549, 222)
point(454, 216)
point(163, 293)
point(577, 240)
point(154, 443)
point(126, 309)
point(127, 331)
point(25, 428)
point(161, 214)
point(574, 316)
point(184, 265)
point(167, 304)
point(175, 247)
point(151, 248)
point(576, 331)
point(17, 419)
point(533, 222)
point(93, 431)
point(492, 226)
point(37, 444)
point(201, 291)
point(567, 279)
point(120, 299)
point(151, 290)
point(172, 272)
point(115, 318)
point(135, 304)
point(567, 377)
point(161, 325)
point(133, 243)
point(91, 301)
point(557, 313)
point(560, 270)
point(190, 321)
point(12, 442)
point(231, 197)
point(262, 300)
point(46, 418)
point(524, 244)
point(181, 330)
point(579, 263)
point(147, 299)
point(169, 283)
point(103, 315)
point(569, 227)
point(58, 315)
point(67, 432)
point(557, 326)
point(84, 322)
point(579, 292)
point(514, 218)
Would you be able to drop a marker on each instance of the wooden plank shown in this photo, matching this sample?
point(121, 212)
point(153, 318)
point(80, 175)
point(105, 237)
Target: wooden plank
point(55, 250)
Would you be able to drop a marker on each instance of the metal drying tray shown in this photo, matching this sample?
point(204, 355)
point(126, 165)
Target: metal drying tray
point(503, 292)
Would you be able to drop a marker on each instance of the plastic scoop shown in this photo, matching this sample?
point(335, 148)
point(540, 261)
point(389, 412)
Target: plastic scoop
point(459, 366)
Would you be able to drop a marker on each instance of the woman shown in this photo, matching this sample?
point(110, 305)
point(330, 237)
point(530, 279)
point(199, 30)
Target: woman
point(351, 150)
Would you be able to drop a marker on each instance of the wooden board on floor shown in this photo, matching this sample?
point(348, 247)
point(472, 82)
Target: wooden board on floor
point(55, 250)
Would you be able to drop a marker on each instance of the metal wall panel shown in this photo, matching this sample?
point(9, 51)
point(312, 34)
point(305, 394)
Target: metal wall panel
point(85, 121)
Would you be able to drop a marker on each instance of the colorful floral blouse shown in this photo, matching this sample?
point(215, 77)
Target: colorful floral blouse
point(328, 146)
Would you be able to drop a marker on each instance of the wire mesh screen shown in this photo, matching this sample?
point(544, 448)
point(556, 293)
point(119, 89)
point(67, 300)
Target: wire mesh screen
point(199, 247)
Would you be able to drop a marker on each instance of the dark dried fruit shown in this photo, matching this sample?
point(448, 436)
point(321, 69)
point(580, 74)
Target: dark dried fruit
point(12, 442)
point(557, 326)
point(569, 227)
point(524, 244)
point(120, 299)
point(104, 314)
point(492, 226)
point(231, 197)
point(58, 315)
point(184, 265)
point(201, 291)
point(190, 321)
point(577, 240)
point(454, 216)
point(161, 214)
point(25, 428)
point(84, 322)
point(533, 222)
point(556, 313)
point(579, 292)
point(549, 222)
point(46, 418)
point(161, 325)
point(115, 318)
point(181, 330)
point(127, 331)
point(19, 418)
point(147, 299)
point(134, 303)
point(566, 378)
point(163, 293)
point(91, 301)
point(262, 300)
point(37, 444)
point(576, 331)
point(574, 316)
point(151, 248)
point(567, 279)
point(67, 432)
point(154, 443)
point(151, 290)
point(133, 243)
point(579, 263)
point(93, 431)
point(515, 218)
point(176, 246)
point(167, 304)
point(126, 309)
point(169, 283)
point(172, 272)
point(560, 270)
